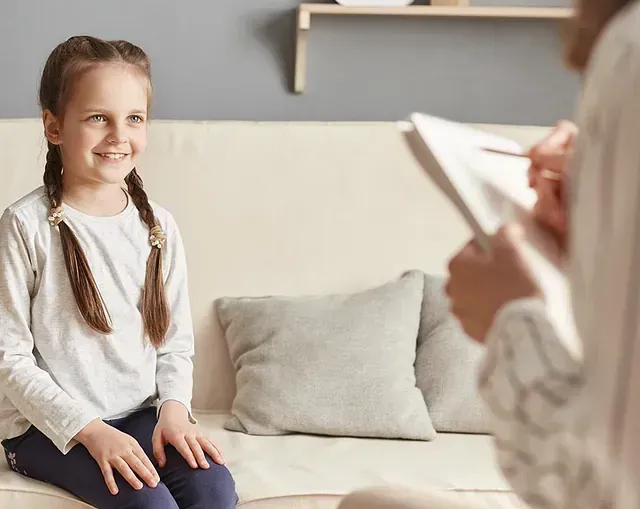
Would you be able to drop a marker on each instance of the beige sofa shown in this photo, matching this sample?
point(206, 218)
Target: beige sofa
point(252, 202)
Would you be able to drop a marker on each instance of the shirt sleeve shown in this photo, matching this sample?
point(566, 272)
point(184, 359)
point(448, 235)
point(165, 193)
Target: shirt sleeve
point(539, 391)
point(174, 371)
point(29, 388)
point(531, 383)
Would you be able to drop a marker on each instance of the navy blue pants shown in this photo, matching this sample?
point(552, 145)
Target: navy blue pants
point(181, 487)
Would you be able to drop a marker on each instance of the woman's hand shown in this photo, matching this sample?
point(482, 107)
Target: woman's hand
point(111, 449)
point(481, 283)
point(175, 428)
point(548, 176)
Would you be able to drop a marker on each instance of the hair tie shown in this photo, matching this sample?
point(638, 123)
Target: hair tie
point(56, 216)
point(157, 237)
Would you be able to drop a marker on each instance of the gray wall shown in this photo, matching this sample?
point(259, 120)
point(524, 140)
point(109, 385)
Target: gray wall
point(232, 60)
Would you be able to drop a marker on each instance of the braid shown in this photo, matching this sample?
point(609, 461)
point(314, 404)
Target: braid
point(85, 290)
point(140, 199)
point(53, 176)
point(155, 311)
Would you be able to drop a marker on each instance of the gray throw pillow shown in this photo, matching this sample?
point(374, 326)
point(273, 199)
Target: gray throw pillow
point(447, 364)
point(340, 365)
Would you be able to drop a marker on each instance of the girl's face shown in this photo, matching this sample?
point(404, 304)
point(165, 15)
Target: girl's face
point(104, 130)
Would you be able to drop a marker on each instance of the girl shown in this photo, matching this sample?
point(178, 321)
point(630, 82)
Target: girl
point(96, 336)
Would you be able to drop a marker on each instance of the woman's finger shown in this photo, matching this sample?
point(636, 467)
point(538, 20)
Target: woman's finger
point(472, 248)
point(123, 467)
point(458, 311)
point(549, 196)
point(469, 252)
point(560, 136)
point(552, 152)
point(550, 211)
point(551, 160)
point(472, 330)
point(197, 451)
point(507, 236)
point(532, 174)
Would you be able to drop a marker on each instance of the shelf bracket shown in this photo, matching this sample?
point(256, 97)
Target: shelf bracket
point(303, 24)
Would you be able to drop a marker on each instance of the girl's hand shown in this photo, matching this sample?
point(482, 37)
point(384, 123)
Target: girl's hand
point(175, 428)
point(481, 283)
point(548, 176)
point(113, 449)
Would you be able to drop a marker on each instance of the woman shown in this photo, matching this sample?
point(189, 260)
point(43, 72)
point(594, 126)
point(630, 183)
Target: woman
point(566, 424)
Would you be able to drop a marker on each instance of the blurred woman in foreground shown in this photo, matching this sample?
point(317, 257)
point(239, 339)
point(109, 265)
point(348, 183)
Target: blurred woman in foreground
point(566, 424)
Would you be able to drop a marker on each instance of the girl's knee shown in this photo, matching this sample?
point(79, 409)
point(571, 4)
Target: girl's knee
point(146, 498)
point(213, 488)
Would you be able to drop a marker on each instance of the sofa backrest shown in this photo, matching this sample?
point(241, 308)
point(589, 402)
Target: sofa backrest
point(276, 208)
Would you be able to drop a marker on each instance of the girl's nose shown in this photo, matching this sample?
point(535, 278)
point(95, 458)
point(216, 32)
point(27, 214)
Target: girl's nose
point(117, 136)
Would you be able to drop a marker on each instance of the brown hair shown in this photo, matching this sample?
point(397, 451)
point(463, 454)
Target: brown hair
point(65, 64)
point(584, 30)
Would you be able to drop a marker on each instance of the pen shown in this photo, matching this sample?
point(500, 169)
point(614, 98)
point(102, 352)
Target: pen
point(547, 174)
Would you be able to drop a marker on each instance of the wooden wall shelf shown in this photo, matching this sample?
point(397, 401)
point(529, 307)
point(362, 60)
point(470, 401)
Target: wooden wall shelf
point(306, 11)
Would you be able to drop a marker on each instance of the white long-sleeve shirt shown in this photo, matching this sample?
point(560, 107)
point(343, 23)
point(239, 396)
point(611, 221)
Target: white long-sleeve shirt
point(55, 371)
point(567, 426)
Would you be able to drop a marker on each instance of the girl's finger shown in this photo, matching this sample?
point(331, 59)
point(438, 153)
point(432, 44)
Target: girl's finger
point(144, 468)
point(211, 450)
point(158, 449)
point(183, 448)
point(107, 473)
point(123, 467)
point(197, 451)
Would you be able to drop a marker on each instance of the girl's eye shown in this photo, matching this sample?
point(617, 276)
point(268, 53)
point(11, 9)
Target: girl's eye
point(98, 118)
point(136, 119)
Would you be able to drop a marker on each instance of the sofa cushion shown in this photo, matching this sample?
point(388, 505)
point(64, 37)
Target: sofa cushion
point(301, 471)
point(447, 364)
point(340, 364)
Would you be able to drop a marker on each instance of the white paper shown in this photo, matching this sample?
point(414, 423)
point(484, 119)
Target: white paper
point(490, 190)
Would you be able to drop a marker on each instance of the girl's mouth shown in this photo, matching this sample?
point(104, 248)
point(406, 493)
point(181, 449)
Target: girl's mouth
point(110, 156)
